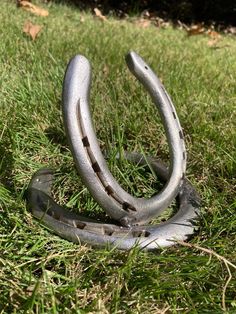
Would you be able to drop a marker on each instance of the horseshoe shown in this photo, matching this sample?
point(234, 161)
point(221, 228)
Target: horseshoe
point(83, 230)
point(90, 163)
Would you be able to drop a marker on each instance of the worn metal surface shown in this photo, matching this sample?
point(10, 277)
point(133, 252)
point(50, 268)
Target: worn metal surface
point(83, 230)
point(130, 212)
point(91, 165)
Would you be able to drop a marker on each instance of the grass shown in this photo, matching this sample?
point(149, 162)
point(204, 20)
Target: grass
point(42, 273)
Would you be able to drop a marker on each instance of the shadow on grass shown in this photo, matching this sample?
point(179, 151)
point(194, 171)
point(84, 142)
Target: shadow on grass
point(190, 11)
point(6, 167)
point(57, 136)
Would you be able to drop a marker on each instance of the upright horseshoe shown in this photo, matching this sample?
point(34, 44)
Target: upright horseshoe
point(91, 165)
point(83, 230)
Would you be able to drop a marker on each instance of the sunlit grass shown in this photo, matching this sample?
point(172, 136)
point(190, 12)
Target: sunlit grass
point(42, 273)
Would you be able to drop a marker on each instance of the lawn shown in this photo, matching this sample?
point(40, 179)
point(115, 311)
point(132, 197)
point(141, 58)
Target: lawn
point(42, 273)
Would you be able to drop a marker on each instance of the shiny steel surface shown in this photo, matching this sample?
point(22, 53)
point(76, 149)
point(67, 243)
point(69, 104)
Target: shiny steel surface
point(91, 165)
point(130, 212)
point(83, 230)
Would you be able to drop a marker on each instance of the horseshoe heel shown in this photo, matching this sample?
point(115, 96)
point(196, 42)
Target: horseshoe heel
point(82, 230)
point(91, 165)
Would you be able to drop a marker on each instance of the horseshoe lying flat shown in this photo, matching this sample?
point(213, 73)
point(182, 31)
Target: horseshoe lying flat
point(83, 230)
point(91, 165)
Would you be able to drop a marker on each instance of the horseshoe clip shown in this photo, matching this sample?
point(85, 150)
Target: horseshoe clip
point(130, 212)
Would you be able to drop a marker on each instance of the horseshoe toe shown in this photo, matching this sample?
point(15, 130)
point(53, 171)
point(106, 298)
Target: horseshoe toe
point(88, 158)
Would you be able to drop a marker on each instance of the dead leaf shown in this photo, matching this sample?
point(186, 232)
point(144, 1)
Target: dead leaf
point(160, 23)
point(144, 23)
point(212, 43)
point(26, 5)
point(99, 14)
point(197, 29)
point(215, 38)
point(213, 34)
point(32, 29)
point(231, 30)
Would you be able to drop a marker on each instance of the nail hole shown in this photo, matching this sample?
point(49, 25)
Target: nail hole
point(174, 115)
point(126, 206)
point(108, 232)
point(80, 224)
point(85, 141)
point(139, 234)
point(55, 215)
point(96, 167)
point(181, 135)
point(146, 67)
point(132, 208)
point(109, 190)
point(184, 155)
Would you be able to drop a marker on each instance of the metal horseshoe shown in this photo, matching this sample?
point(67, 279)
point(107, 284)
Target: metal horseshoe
point(83, 230)
point(90, 163)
